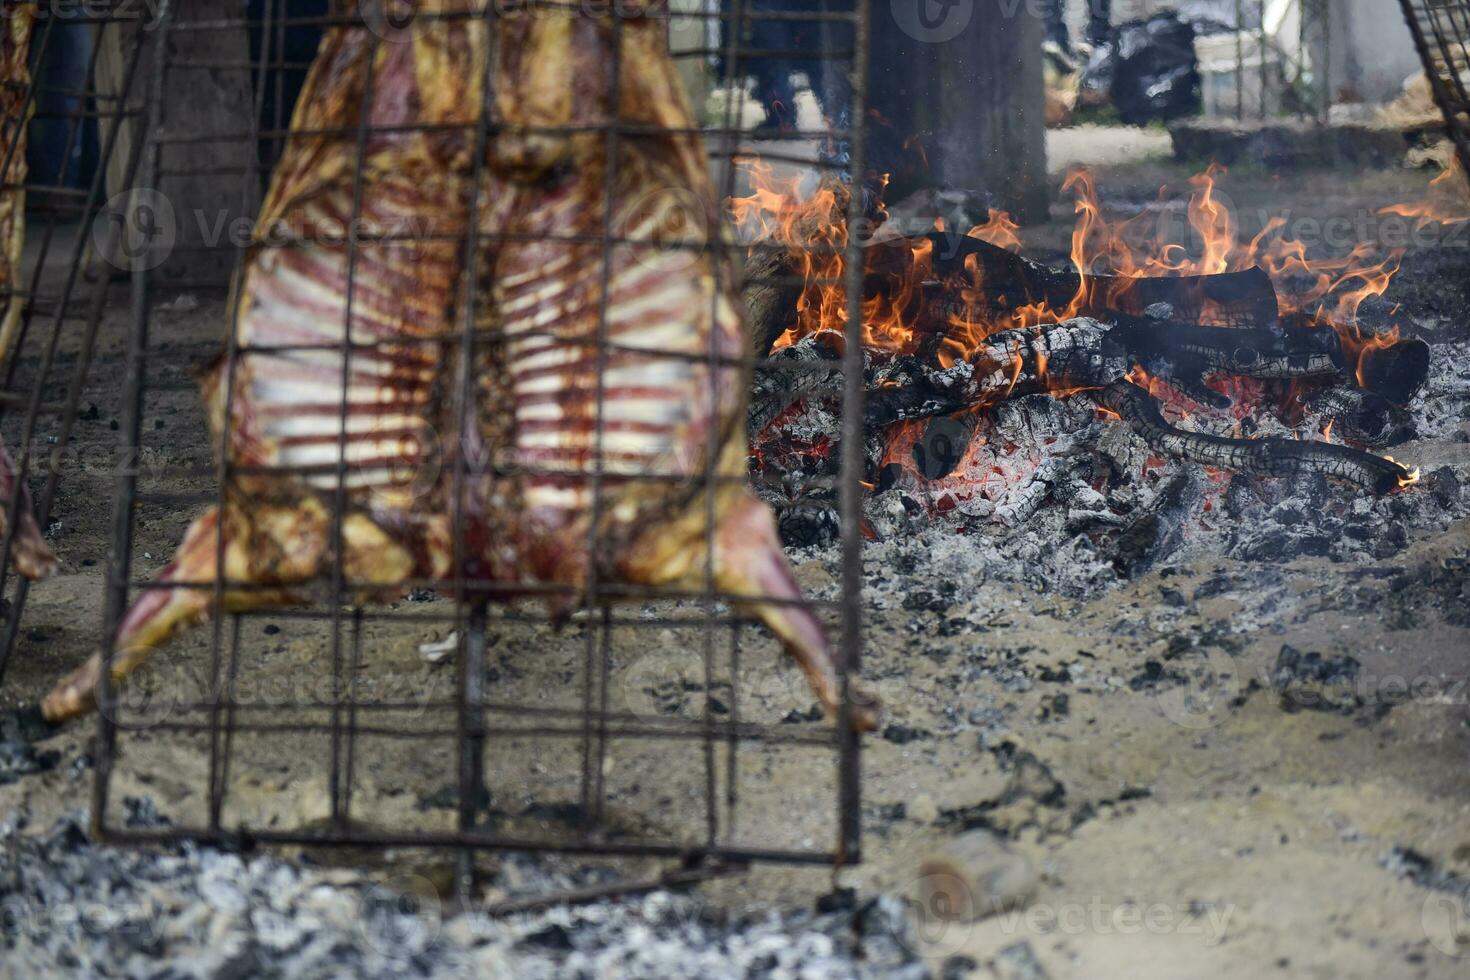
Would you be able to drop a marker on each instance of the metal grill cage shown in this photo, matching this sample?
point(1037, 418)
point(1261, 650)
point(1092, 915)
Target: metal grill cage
point(645, 723)
point(1441, 30)
point(60, 299)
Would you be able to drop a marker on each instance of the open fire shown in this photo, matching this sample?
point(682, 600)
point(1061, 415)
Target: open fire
point(1245, 354)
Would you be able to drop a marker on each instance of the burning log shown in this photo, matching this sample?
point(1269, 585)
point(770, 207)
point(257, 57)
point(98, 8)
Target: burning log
point(968, 280)
point(1257, 457)
point(772, 288)
point(1088, 355)
point(998, 281)
point(809, 368)
point(1052, 358)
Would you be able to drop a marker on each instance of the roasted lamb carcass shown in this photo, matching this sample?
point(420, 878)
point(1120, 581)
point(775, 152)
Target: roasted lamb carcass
point(539, 445)
point(29, 552)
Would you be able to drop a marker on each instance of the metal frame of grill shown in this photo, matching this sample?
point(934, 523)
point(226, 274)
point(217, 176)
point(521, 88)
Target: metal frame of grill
point(1441, 30)
point(475, 720)
point(67, 280)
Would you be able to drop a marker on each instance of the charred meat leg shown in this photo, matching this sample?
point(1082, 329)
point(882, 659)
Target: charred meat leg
point(274, 550)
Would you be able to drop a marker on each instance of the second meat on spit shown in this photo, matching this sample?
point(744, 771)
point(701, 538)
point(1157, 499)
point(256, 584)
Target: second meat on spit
point(603, 389)
point(29, 552)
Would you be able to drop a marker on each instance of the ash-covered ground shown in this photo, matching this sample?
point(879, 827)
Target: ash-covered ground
point(1243, 754)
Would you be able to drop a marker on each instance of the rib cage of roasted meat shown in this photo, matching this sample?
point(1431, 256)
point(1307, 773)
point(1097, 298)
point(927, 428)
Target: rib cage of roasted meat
point(601, 399)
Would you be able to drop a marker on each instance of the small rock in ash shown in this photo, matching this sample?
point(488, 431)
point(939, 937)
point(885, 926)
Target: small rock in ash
point(795, 717)
point(808, 526)
point(958, 967)
point(141, 811)
point(446, 797)
point(1153, 672)
point(19, 730)
point(1216, 585)
point(1055, 706)
point(553, 936)
point(1444, 486)
point(1018, 962)
point(19, 759)
point(837, 900)
point(937, 600)
point(903, 734)
point(1408, 863)
point(80, 765)
point(1315, 682)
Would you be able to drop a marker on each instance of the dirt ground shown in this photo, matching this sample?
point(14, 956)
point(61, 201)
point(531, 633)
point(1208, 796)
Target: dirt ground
point(1215, 825)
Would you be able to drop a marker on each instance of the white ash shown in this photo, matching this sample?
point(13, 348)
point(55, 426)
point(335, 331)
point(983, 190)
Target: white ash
point(75, 909)
point(1045, 492)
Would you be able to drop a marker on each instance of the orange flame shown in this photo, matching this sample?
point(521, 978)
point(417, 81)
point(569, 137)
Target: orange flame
point(1328, 292)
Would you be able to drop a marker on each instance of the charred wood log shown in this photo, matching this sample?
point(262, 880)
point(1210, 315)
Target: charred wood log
point(771, 290)
point(1258, 457)
point(1051, 358)
point(1024, 501)
point(998, 281)
point(973, 279)
point(1278, 351)
point(1361, 416)
point(809, 368)
point(1155, 533)
point(1396, 371)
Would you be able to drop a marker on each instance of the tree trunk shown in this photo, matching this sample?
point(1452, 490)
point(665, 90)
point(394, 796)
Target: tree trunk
point(958, 87)
point(211, 184)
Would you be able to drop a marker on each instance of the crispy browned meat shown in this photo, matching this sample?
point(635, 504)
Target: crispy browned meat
point(282, 408)
point(661, 418)
point(29, 553)
point(15, 39)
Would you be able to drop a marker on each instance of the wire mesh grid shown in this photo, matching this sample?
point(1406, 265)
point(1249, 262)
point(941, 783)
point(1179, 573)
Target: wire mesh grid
point(1441, 30)
point(430, 167)
point(1282, 62)
point(59, 153)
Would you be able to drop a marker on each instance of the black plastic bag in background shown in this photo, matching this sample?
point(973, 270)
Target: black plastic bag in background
point(1156, 75)
point(1148, 71)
